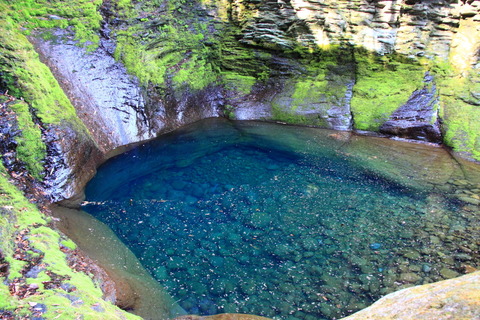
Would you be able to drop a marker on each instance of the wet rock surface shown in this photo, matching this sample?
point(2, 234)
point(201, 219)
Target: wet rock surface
point(107, 99)
point(117, 109)
point(417, 119)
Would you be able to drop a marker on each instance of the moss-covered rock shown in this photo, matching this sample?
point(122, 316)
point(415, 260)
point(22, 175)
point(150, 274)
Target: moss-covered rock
point(294, 62)
point(35, 278)
point(383, 84)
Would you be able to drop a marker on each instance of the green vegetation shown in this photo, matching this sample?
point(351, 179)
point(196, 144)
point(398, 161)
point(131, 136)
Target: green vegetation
point(279, 114)
point(321, 84)
point(170, 46)
point(383, 83)
point(460, 104)
point(30, 148)
point(26, 77)
point(82, 15)
point(19, 218)
point(30, 79)
point(237, 82)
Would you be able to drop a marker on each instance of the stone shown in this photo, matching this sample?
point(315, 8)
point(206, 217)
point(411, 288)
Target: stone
point(448, 273)
point(418, 118)
point(260, 219)
point(426, 268)
point(463, 257)
point(409, 277)
point(468, 268)
point(412, 254)
point(457, 298)
point(375, 246)
point(470, 200)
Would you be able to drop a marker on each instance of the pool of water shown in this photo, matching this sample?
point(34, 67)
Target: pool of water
point(278, 221)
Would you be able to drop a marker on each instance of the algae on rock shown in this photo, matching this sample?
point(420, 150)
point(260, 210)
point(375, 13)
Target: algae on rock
point(37, 271)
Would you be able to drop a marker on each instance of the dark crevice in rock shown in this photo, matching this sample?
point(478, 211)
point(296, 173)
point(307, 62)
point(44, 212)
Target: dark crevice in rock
point(418, 118)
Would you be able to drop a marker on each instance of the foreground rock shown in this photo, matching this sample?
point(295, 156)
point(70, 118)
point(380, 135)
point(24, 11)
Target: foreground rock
point(457, 298)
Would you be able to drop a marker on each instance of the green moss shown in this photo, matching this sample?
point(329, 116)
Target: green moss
point(320, 83)
point(383, 83)
point(82, 15)
point(282, 115)
point(26, 71)
point(460, 109)
point(30, 148)
point(47, 241)
point(28, 78)
point(172, 48)
point(68, 243)
point(6, 302)
point(22, 212)
point(196, 73)
point(16, 266)
point(237, 82)
point(233, 58)
point(18, 214)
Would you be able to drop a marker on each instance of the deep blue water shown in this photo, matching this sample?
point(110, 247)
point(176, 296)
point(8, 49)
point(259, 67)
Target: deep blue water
point(259, 218)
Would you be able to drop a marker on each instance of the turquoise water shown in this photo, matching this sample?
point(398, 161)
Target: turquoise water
point(266, 219)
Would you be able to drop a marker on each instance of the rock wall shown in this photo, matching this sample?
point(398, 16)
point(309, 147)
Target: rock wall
point(412, 28)
point(443, 37)
point(113, 104)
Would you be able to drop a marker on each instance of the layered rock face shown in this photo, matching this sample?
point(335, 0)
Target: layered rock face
point(418, 118)
point(412, 28)
point(111, 102)
point(438, 32)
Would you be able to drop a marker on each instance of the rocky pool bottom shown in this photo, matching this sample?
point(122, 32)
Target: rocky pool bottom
point(289, 222)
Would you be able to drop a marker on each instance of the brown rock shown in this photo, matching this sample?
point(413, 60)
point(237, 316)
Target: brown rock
point(468, 268)
point(457, 298)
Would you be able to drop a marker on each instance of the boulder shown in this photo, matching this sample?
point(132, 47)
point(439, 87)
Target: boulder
point(457, 298)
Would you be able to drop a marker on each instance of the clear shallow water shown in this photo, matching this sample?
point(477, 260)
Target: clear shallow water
point(276, 221)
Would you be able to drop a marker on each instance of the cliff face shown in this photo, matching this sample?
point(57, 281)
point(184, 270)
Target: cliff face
point(411, 28)
point(442, 36)
point(403, 68)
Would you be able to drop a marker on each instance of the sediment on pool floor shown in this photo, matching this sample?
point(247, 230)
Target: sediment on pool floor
point(174, 202)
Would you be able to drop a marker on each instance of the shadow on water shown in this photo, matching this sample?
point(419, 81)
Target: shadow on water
point(285, 222)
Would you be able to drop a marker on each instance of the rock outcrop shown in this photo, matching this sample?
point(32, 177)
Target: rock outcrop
point(412, 28)
point(106, 97)
point(418, 119)
point(457, 298)
point(442, 31)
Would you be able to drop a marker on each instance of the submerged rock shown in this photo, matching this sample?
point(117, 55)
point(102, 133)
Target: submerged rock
point(224, 316)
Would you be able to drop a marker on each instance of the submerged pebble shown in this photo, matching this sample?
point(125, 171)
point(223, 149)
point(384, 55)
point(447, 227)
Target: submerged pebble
point(263, 226)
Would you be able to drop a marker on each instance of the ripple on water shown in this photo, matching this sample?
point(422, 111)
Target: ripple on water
point(277, 221)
